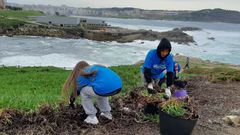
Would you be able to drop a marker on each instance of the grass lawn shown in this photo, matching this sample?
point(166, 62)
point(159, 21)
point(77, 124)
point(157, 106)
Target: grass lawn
point(29, 87)
point(14, 19)
point(20, 14)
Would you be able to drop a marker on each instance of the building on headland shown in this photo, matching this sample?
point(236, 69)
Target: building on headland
point(93, 22)
point(2, 4)
point(70, 21)
point(58, 20)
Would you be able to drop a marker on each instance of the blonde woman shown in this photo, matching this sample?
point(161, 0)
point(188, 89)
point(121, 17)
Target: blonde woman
point(91, 81)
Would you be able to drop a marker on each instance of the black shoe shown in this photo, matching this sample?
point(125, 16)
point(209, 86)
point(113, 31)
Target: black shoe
point(151, 91)
point(72, 106)
point(180, 84)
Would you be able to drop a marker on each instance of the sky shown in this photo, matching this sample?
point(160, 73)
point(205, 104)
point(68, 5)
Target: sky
point(143, 4)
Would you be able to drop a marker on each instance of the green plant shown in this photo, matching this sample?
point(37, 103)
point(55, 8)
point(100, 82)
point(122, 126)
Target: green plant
point(145, 93)
point(153, 118)
point(157, 96)
point(174, 107)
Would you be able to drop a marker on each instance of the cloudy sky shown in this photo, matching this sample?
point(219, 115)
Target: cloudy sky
point(144, 4)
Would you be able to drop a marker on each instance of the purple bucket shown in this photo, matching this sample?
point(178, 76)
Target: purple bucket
point(180, 93)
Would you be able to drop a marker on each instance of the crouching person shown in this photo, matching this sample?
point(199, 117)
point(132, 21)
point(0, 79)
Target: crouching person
point(159, 62)
point(176, 71)
point(93, 81)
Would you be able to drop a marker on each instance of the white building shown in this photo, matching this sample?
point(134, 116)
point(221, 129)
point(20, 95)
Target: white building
point(57, 20)
point(70, 21)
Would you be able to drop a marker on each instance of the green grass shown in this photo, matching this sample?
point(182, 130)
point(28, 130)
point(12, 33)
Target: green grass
point(130, 75)
point(215, 72)
point(218, 74)
point(20, 14)
point(14, 19)
point(28, 88)
point(10, 23)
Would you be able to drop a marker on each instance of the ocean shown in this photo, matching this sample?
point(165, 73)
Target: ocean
point(49, 51)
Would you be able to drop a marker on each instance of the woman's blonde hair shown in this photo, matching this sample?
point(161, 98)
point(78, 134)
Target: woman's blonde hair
point(72, 78)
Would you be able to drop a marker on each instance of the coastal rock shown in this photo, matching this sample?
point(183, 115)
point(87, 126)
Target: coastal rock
point(178, 36)
point(41, 32)
point(126, 35)
point(188, 29)
point(211, 38)
point(121, 35)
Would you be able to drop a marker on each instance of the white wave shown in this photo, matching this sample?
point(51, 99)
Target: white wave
point(138, 27)
point(55, 60)
point(35, 51)
point(7, 53)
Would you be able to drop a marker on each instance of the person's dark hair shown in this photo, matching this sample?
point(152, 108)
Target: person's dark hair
point(164, 45)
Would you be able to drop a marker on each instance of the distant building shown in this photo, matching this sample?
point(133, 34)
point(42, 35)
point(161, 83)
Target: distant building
point(93, 22)
point(70, 21)
point(57, 20)
point(2, 4)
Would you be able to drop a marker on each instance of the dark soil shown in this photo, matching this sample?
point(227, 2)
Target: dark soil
point(214, 101)
point(68, 121)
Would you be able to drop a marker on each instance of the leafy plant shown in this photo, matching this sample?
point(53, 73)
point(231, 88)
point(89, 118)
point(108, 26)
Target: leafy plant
point(157, 96)
point(153, 118)
point(174, 107)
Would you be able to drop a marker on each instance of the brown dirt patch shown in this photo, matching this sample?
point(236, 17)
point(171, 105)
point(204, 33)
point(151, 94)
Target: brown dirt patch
point(215, 101)
point(65, 121)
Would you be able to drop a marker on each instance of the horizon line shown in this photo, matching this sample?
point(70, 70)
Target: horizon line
point(127, 7)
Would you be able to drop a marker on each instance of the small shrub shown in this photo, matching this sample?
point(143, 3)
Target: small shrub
point(174, 107)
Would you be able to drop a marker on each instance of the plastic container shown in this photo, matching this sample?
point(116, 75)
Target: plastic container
point(180, 93)
point(170, 125)
point(151, 108)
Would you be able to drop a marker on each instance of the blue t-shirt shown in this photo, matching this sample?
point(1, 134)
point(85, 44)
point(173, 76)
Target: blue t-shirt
point(157, 66)
point(105, 82)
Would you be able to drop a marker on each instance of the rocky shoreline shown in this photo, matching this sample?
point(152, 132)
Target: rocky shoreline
point(121, 35)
